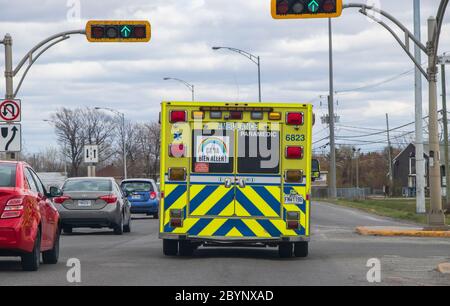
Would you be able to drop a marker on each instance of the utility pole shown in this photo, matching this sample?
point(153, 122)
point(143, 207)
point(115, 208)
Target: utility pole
point(446, 149)
point(420, 160)
point(332, 170)
point(436, 217)
point(391, 175)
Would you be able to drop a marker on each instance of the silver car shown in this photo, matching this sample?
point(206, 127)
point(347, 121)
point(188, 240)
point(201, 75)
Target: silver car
point(93, 203)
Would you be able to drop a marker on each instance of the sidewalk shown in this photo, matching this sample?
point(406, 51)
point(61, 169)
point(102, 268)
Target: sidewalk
point(401, 232)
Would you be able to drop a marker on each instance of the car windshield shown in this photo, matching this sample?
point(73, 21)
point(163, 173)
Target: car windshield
point(137, 186)
point(87, 185)
point(7, 175)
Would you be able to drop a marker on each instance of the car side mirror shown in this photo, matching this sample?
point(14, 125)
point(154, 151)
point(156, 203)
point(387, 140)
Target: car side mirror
point(55, 192)
point(315, 170)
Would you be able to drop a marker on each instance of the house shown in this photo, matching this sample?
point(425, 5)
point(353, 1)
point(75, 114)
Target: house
point(404, 170)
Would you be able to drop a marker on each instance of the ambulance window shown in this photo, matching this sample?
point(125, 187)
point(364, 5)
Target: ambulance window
point(259, 151)
point(213, 151)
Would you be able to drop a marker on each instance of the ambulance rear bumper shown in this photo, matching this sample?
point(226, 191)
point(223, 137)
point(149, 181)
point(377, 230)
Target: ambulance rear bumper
point(231, 240)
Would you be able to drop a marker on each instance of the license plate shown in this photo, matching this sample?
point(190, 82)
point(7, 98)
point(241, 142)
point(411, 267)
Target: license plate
point(135, 197)
point(84, 203)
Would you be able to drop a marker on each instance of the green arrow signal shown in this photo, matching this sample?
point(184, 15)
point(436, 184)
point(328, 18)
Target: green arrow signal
point(313, 6)
point(125, 31)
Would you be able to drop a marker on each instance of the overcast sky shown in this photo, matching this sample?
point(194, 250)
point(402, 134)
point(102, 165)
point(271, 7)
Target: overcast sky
point(294, 55)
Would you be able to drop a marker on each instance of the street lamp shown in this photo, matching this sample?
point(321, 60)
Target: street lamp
point(190, 86)
point(122, 117)
point(255, 59)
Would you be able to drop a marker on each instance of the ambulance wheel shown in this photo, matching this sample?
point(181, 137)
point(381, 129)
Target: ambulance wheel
point(170, 247)
point(285, 249)
point(301, 249)
point(186, 248)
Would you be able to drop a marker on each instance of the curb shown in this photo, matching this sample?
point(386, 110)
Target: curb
point(444, 268)
point(400, 232)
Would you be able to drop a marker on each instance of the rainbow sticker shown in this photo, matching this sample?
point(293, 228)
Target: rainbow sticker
point(213, 149)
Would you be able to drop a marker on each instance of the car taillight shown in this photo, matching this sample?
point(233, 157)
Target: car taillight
point(178, 116)
point(13, 209)
point(294, 152)
point(61, 199)
point(153, 195)
point(176, 218)
point(110, 199)
point(292, 220)
point(295, 118)
point(293, 176)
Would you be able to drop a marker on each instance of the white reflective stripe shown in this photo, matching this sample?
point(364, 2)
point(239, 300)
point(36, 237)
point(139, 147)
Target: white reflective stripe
point(208, 178)
point(261, 179)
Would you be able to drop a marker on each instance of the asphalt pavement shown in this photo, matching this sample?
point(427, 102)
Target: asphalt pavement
point(338, 256)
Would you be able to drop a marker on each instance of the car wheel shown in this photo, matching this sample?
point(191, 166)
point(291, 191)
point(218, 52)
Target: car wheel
point(118, 230)
point(67, 230)
point(51, 257)
point(31, 261)
point(156, 216)
point(301, 249)
point(170, 247)
point(186, 248)
point(285, 250)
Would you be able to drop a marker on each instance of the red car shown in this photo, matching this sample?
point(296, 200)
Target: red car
point(29, 223)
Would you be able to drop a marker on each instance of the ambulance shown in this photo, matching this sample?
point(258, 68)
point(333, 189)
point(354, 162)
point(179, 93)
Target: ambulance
point(236, 174)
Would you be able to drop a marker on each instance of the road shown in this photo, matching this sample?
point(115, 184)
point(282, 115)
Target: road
point(337, 257)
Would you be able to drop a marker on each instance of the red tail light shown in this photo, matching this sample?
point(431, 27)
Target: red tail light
point(13, 209)
point(178, 116)
point(294, 152)
point(61, 200)
point(110, 199)
point(153, 195)
point(292, 220)
point(295, 119)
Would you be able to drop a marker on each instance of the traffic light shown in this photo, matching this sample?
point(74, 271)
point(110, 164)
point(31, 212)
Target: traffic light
point(118, 31)
point(299, 9)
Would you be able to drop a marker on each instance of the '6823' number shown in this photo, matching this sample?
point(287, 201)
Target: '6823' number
point(295, 137)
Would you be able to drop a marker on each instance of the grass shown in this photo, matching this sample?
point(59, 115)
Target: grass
point(403, 209)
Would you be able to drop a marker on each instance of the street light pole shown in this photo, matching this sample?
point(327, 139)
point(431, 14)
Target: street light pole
point(255, 59)
point(332, 180)
point(124, 148)
point(190, 86)
point(446, 149)
point(436, 217)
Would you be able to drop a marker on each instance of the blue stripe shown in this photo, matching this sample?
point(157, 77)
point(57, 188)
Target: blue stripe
point(234, 223)
point(201, 197)
point(174, 196)
point(270, 228)
point(199, 226)
point(222, 204)
point(269, 198)
point(168, 228)
point(247, 204)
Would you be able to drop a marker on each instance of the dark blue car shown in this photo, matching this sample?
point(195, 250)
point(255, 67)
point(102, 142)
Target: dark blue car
point(143, 196)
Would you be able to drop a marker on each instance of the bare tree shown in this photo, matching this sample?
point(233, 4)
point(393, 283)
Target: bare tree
point(70, 134)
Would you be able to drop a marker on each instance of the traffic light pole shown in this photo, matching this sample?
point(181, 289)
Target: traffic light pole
point(436, 216)
point(10, 72)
